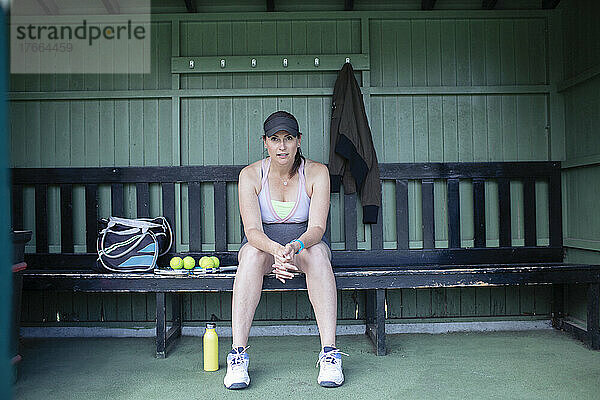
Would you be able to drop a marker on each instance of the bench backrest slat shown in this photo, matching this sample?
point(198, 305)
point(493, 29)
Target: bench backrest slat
point(555, 210)
point(504, 212)
point(195, 216)
point(453, 213)
point(377, 232)
point(91, 217)
point(117, 199)
point(220, 202)
point(168, 200)
point(529, 211)
point(479, 213)
point(17, 207)
point(402, 213)
point(350, 222)
point(41, 218)
point(428, 213)
point(66, 218)
point(142, 193)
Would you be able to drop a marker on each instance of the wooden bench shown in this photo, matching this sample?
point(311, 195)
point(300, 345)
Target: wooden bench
point(457, 263)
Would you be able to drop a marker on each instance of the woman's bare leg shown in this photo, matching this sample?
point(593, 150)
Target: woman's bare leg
point(253, 265)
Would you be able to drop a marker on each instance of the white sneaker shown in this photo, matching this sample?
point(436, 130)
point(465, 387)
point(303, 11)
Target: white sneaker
point(237, 369)
point(330, 373)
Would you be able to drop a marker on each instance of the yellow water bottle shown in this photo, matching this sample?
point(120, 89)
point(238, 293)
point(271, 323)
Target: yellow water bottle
point(211, 348)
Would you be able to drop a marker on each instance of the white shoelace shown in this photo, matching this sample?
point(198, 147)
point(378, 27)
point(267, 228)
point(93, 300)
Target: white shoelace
point(238, 358)
point(329, 357)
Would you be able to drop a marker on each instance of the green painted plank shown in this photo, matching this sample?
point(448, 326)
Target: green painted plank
point(420, 118)
point(513, 300)
point(376, 54)
point(403, 67)
point(304, 309)
point(47, 134)
point(394, 303)
point(213, 306)
point(150, 131)
point(543, 299)
point(64, 306)
point(527, 296)
point(389, 58)
point(537, 51)
point(35, 305)
point(424, 303)
point(165, 137)
point(492, 213)
point(507, 52)
point(418, 53)
point(465, 129)
point(435, 129)
point(432, 41)
point(509, 128)
point(448, 52)
point(349, 304)
point(139, 310)
point(480, 138)
point(492, 52)
point(468, 302)
point(94, 307)
point(450, 128)
point(122, 139)
point(453, 302)
point(109, 306)
point(124, 307)
point(438, 302)
point(198, 307)
point(80, 302)
point(498, 301)
point(389, 116)
point(186, 304)
point(288, 306)
point(226, 298)
point(483, 301)
point(463, 53)
point(521, 40)
point(409, 303)
point(274, 305)
point(136, 132)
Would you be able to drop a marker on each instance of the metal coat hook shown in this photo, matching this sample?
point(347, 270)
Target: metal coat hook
point(191, 64)
point(253, 63)
point(285, 62)
point(223, 63)
point(347, 60)
point(316, 61)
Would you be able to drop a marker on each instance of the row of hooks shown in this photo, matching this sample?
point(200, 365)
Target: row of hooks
point(253, 62)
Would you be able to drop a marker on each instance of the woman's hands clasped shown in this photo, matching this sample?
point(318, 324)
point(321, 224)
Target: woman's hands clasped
point(284, 267)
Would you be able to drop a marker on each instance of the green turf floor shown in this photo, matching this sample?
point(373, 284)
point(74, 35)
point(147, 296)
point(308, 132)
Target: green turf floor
point(503, 365)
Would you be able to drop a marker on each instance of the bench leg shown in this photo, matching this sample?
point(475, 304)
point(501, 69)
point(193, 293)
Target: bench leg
point(558, 304)
point(165, 338)
point(375, 313)
point(593, 315)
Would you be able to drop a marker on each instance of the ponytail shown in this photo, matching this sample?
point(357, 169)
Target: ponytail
point(297, 161)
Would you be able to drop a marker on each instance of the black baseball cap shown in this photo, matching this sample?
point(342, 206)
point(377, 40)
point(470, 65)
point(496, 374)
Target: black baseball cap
point(281, 121)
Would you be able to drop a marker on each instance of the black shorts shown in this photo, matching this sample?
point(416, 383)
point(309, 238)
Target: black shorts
point(284, 233)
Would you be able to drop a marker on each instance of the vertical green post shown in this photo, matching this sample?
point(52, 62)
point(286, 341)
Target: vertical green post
point(5, 241)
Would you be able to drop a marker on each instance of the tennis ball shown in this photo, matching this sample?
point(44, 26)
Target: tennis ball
point(207, 262)
point(176, 263)
point(189, 262)
point(215, 262)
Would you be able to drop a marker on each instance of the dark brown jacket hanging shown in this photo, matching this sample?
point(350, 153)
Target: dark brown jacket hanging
point(352, 158)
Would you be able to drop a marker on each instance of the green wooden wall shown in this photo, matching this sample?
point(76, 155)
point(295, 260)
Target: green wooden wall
point(581, 91)
point(442, 86)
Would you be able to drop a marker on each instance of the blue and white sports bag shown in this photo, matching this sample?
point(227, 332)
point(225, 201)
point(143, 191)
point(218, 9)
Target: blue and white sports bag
point(132, 245)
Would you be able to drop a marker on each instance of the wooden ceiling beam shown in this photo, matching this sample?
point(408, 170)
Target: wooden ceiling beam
point(489, 4)
point(549, 4)
point(427, 4)
point(191, 6)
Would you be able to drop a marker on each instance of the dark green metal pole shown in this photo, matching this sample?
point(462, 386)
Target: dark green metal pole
point(5, 240)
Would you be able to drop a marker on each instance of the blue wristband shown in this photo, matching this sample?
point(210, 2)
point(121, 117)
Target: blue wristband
point(301, 245)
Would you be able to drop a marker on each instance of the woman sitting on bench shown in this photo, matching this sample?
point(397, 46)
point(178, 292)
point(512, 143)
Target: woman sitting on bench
point(284, 202)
